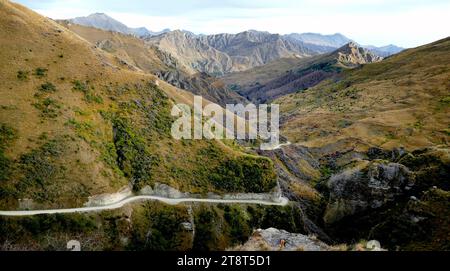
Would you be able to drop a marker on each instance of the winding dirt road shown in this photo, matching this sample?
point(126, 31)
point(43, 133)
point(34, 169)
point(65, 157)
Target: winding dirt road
point(282, 202)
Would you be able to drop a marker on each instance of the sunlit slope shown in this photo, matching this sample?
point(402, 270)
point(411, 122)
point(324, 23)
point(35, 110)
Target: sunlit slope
point(402, 101)
point(74, 123)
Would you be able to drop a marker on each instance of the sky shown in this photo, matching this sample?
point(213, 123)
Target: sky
point(406, 23)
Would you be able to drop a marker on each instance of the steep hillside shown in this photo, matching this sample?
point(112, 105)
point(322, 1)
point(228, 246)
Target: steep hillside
point(135, 52)
point(225, 53)
point(75, 123)
point(305, 73)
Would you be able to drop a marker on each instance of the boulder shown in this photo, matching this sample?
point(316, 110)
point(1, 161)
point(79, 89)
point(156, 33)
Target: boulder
point(280, 240)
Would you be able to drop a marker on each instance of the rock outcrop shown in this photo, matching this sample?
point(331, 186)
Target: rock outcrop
point(353, 55)
point(368, 185)
point(279, 240)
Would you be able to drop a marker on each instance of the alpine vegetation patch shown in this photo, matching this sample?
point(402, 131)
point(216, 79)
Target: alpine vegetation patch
point(236, 121)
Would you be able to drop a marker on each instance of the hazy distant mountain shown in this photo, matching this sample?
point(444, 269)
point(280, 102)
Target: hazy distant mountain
point(104, 22)
point(328, 43)
point(334, 41)
point(385, 51)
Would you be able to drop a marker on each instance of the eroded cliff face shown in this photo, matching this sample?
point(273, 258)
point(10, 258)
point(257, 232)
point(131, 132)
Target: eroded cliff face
point(224, 53)
point(364, 186)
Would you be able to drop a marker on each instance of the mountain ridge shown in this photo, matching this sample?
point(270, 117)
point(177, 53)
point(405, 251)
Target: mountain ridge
point(105, 22)
point(219, 54)
point(304, 73)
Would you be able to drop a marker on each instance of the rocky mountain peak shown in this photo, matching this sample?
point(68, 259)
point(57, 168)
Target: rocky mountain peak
point(352, 54)
point(105, 22)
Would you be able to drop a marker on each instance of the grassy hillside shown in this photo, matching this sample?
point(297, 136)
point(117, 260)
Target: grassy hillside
point(75, 123)
point(262, 74)
point(401, 101)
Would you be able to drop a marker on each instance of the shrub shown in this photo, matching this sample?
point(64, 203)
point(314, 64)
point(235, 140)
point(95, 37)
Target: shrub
point(133, 156)
point(85, 89)
point(6, 134)
point(4, 166)
point(40, 72)
point(38, 166)
point(245, 174)
point(344, 123)
point(80, 86)
point(239, 225)
point(22, 75)
point(205, 236)
point(47, 87)
point(49, 108)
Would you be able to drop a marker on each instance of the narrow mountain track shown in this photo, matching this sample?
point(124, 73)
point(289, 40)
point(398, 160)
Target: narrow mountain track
point(117, 205)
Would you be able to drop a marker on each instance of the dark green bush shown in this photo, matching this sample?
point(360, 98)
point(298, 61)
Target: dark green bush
point(38, 166)
point(40, 72)
point(245, 174)
point(6, 135)
point(22, 75)
point(47, 87)
point(240, 229)
point(85, 89)
point(205, 222)
point(133, 156)
point(49, 108)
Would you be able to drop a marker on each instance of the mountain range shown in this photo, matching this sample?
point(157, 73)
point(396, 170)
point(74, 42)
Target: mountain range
point(220, 54)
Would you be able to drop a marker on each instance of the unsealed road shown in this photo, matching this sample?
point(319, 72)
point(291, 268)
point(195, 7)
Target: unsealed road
point(283, 201)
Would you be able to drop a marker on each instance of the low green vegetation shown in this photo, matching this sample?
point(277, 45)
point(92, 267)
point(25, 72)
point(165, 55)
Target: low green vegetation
point(39, 169)
point(7, 134)
point(159, 228)
point(206, 219)
point(47, 87)
point(133, 156)
point(44, 232)
point(89, 96)
point(344, 123)
point(224, 226)
point(49, 108)
point(40, 72)
point(22, 75)
point(245, 174)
